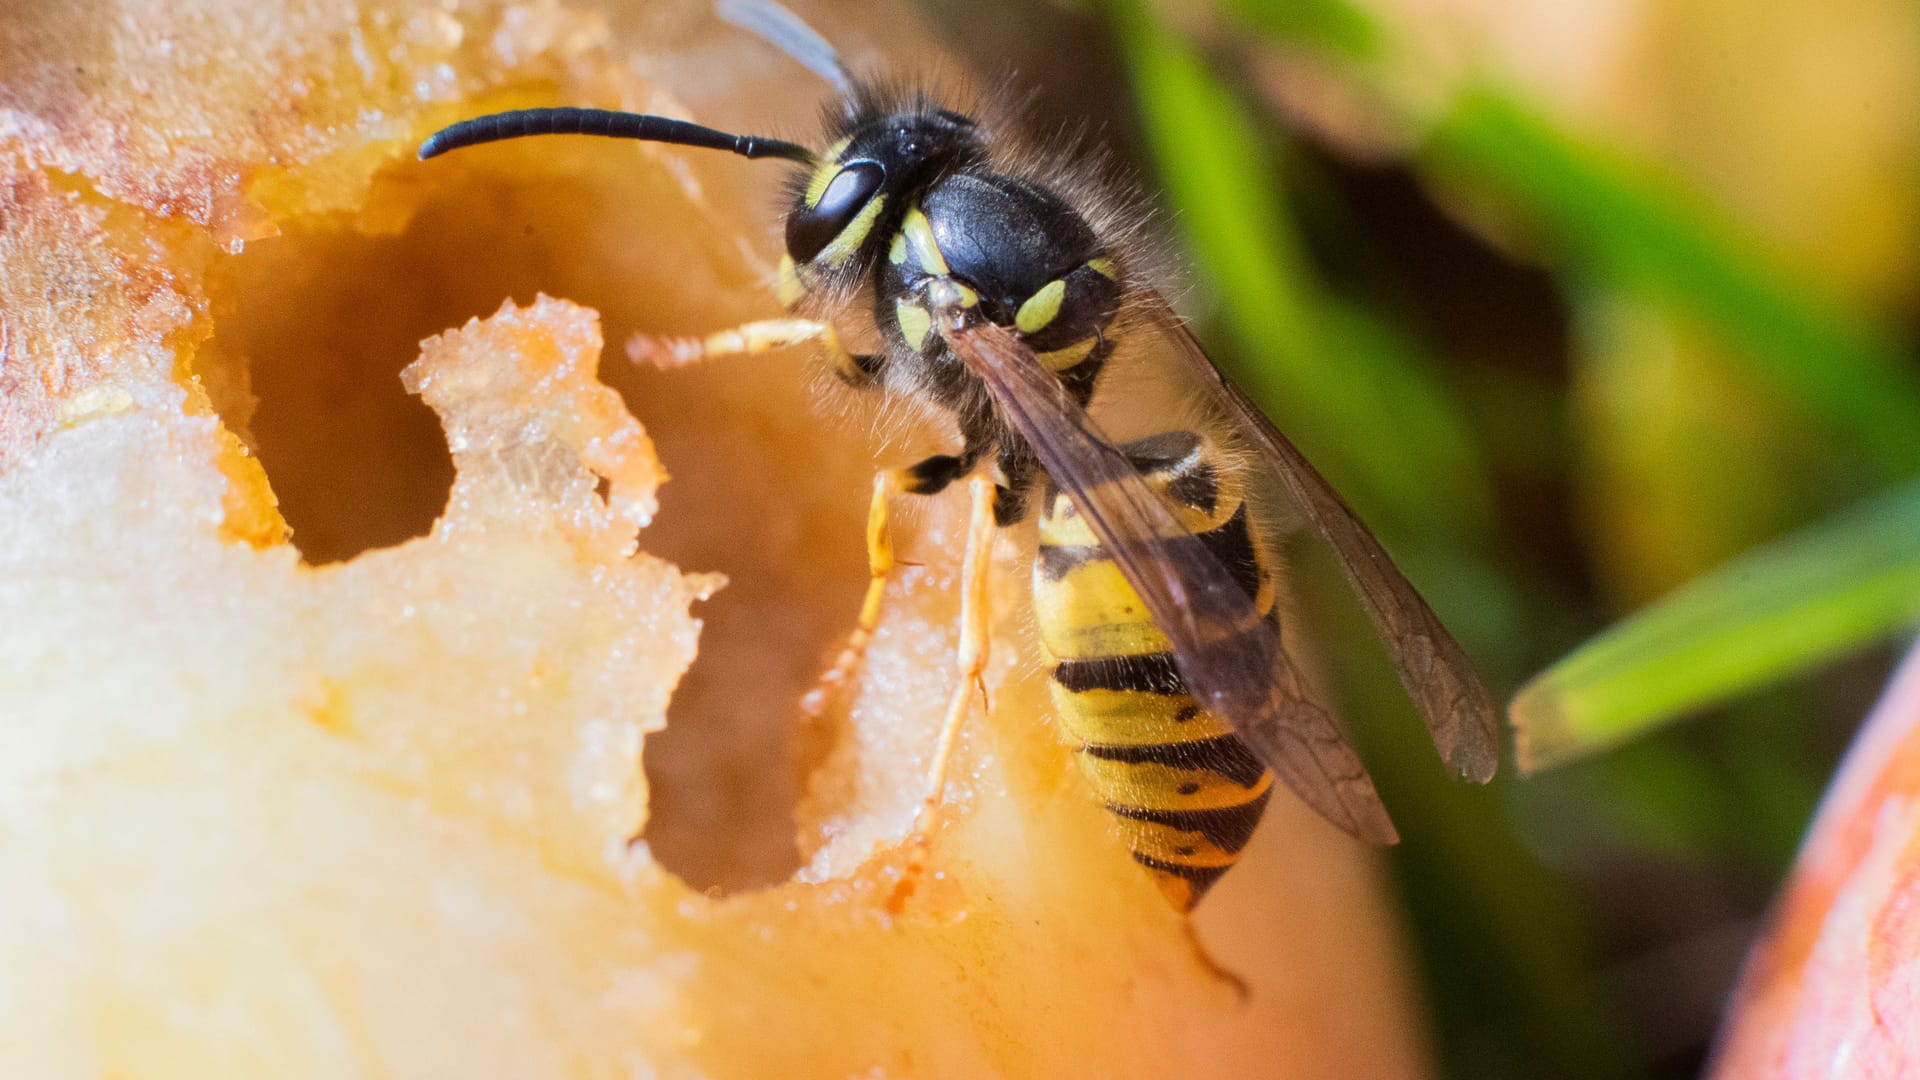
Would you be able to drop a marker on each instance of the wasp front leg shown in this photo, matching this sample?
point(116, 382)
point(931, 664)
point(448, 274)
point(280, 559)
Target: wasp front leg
point(975, 637)
point(765, 335)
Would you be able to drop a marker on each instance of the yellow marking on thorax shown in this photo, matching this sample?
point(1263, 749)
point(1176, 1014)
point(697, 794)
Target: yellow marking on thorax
point(1040, 308)
point(920, 242)
point(1068, 357)
point(914, 321)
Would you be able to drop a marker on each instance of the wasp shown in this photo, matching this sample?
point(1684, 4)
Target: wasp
point(1004, 295)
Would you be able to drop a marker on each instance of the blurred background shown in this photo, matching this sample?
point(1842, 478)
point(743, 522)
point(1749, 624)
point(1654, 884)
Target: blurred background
point(1602, 312)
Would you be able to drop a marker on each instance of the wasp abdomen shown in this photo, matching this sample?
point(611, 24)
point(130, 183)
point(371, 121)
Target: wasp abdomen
point(1186, 791)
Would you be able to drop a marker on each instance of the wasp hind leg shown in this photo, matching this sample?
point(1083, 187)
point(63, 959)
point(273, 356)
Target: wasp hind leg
point(766, 335)
point(975, 636)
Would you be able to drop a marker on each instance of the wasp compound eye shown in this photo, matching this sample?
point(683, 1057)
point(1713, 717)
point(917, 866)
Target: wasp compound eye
point(812, 227)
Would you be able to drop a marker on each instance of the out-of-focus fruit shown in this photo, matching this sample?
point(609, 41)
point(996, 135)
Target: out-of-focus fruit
point(1833, 990)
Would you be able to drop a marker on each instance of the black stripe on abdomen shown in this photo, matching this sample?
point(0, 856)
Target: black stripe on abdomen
point(1230, 543)
point(1146, 673)
point(1202, 877)
point(1227, 828)
point(1224, 755)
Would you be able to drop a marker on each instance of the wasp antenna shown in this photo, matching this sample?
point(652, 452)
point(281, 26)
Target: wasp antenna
point(615, 125)
point(785, 31)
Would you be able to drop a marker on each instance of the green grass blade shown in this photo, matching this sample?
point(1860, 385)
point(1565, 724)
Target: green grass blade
point(1768, 614)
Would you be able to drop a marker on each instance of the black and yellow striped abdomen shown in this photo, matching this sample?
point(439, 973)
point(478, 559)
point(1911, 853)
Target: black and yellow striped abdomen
point(1186, 790)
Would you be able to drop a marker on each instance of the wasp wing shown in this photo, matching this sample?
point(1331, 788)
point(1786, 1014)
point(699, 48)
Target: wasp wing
point(1452, 700)
point(1230, 657)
